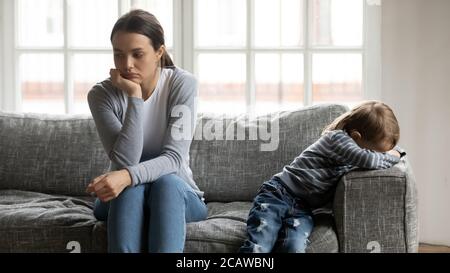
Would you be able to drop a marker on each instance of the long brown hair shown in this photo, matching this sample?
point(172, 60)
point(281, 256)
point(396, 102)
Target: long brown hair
point(374, 120)
point(142, 22)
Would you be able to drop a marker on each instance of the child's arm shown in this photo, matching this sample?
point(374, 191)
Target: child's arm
point(394, 153)
point(349, 152)
point(400, 151)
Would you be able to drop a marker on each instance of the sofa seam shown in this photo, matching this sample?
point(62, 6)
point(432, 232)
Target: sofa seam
point(344, 232)
point(206, 240)
point(372, 176)
point(405, 229)
point(227, 218)
point(49, 119)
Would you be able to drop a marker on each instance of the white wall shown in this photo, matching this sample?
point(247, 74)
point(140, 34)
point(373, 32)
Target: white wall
point(1, 56)
point(8, 96)
point(416, 82)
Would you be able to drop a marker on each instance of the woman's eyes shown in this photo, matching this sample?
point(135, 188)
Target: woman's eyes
point(135, 55)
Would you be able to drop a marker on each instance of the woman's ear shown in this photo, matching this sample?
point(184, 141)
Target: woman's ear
point(160, 51)
point(355, 135)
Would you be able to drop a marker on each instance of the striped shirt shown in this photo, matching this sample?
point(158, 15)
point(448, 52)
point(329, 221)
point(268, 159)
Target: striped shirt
point(314, 174)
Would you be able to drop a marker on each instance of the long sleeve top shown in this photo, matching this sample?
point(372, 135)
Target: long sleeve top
point(314, 174)
point(148, 138)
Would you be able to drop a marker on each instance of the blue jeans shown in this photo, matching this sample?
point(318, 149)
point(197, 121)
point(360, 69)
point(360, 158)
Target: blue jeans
point(151, 217)
point(277, 222)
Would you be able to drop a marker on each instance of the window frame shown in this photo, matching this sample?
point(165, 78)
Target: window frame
point(12, 100)
point(185, 54)
point(370, 50)
point(8, 65)
point(2, 57)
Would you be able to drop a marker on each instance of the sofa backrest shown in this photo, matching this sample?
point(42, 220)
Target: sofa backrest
point(49, 153)
point(62, 154)
point(233, 170)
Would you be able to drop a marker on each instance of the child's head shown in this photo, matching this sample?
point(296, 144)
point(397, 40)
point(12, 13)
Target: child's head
point(371, 124)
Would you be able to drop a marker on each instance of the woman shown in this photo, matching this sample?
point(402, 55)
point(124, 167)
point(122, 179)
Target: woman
point(150, 195)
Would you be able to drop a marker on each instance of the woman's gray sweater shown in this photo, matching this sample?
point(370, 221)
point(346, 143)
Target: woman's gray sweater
point(148, 138)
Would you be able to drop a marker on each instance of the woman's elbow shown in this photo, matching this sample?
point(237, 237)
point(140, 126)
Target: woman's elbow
point(122, 161)
point(176, 159)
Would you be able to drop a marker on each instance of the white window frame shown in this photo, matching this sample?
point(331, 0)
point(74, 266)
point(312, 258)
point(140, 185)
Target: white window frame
point(10, 93)
point(370, 50)
point(1, 56)
point(185, 54)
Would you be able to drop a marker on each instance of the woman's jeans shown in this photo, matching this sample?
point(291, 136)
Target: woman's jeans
point(277, 222)
point(151, 217)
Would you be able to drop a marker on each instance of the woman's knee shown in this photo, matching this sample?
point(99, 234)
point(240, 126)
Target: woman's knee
point(130, 198)
point(168, 184)
point(132, 193)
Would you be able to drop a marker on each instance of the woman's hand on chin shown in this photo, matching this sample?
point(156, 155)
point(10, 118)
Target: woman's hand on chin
point(131, 88)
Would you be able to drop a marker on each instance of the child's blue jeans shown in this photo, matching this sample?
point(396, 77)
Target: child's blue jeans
point(277, 222)
point(152, 216)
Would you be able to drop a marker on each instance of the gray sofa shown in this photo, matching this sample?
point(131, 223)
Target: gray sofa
point(47, 161)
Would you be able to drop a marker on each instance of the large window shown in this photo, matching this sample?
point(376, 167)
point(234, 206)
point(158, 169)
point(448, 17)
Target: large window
point(248, 55)
point(62, 49)
point(267, 55)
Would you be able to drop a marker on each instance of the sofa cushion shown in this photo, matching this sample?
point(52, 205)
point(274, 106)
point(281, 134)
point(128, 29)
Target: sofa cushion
point(49, 153)
point(224, 230)
point(61, 153)
point(36, 222)
point(221, 161)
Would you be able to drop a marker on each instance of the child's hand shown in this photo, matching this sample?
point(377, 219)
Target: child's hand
point(394, 153)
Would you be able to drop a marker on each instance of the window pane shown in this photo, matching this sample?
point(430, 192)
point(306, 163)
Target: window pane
point(285, 27)
point(337, 77)
point(279, 82)
point(222, 89)
point(40, 23)
point(91, 22)
point(337, 22)
point(163, 10)
point(220, 23)
point(42, 83)
point(88, 69)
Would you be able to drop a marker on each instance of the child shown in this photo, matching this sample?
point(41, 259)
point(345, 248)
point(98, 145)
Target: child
point(281, 216)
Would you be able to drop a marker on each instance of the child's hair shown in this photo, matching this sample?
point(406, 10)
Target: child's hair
point(374, 120)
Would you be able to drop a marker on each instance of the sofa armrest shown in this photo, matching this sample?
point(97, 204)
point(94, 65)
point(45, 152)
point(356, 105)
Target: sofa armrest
point(376, 210)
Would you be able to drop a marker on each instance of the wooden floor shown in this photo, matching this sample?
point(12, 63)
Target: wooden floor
point(427, 248)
